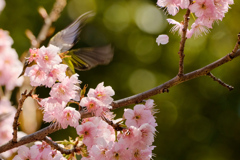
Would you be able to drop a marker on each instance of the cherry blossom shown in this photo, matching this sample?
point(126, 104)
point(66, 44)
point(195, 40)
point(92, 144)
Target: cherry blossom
point(102, 93)
point(69, 116)
point(48, 56)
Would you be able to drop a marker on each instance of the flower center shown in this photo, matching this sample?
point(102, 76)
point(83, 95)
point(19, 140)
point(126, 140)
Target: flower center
point(86, 133)
point(136, 154)
point(204, 6)
point(116, 155)
point(137, 117)
point(46, 57)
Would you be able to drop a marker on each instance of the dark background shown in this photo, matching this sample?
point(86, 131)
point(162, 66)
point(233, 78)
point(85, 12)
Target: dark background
point(198, 119)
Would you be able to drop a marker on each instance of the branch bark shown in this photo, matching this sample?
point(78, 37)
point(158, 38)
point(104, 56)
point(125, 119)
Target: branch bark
point(56, 146)
point(182, 43)
point(220, 81)
point(37, 136)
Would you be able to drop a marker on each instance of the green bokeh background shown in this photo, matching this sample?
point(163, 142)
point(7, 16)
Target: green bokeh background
point(198, 119)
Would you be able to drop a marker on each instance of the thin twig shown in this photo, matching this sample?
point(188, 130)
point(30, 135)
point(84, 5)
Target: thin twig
point(182, 43)
point(58, 6)
point(59, 148)
point(235, 47)
point(24, 96)
point(220, 81)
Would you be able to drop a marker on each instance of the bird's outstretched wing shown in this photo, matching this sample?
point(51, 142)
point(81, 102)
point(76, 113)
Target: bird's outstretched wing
point(68, 37)
point(87, 58)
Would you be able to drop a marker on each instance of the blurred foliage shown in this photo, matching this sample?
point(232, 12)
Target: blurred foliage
point(198, 119)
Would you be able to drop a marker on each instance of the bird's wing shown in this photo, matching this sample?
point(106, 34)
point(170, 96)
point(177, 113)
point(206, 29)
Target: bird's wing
point(87, 58)
point(68, 37)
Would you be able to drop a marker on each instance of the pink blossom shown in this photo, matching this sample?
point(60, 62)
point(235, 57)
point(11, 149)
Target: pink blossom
point(48, 56)
point(171, 5)
point(23, 153)
point(147, 136)
point(38, 149)
point(102, 93)
point(184, 4)
point(52, 109)
point(162, 39)
point(34, 55)
point(99, 150)
point(50, 154)
point(10, 68)
point(69, 116)
point(56, 73)
point(7, 112)
point(138, 116)
point(118, 152)
point(88, 131)
point(65, 90)
point(131, 135)
point(94, 105)
point(178, 26)
point(91, 103)
point(197, 29)
point(36, 74)
point(230, 2)
point(5, 39)
point(105, 130)
point(141, 154)
point(203, 7)
point(149, 105)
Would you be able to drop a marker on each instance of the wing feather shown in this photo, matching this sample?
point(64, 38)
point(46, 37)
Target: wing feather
point(68, 37)
point(91, 57)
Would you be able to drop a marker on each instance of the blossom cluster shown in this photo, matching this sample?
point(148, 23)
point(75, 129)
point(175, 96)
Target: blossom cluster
point(40, 150)
point(206, 11)
point(133, 143)
point(10, 66)
point(45, 69)
point(98, 100)
point(99, 137)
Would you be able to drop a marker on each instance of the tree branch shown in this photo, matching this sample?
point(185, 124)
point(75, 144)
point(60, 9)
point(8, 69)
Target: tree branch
point(182, 43)
point(174, 81)
point(220, 81)
point(37, 136)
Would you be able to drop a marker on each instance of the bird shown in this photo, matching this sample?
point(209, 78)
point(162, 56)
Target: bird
point(81, 59)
